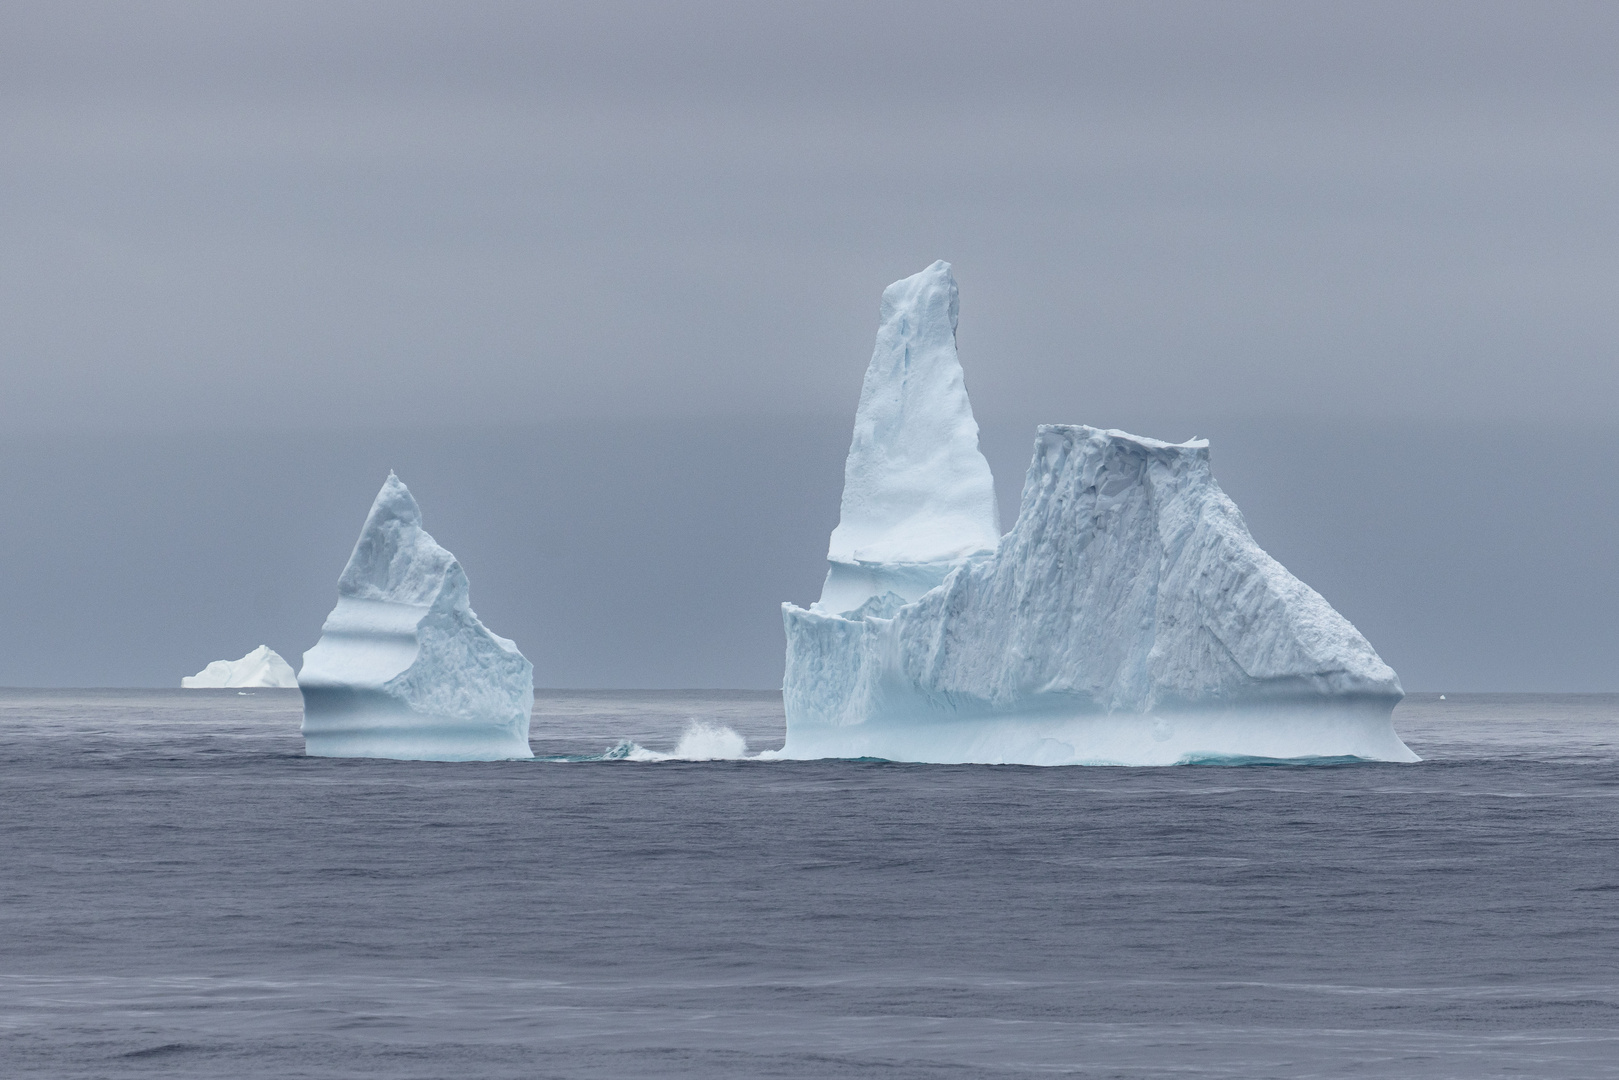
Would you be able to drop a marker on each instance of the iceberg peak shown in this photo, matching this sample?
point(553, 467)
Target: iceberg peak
point(918, 496)
point(395, 560)
point(404, 668)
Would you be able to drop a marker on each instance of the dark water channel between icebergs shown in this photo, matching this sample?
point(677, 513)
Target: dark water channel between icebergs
point(183, 894)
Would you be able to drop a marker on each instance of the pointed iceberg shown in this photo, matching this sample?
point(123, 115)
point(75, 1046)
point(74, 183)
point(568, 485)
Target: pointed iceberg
point(263, 667)
point(403, 667)
point(1128, 618)
point(918, 497)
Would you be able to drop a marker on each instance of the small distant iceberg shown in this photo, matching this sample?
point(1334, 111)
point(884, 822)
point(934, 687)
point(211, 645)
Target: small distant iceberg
point(404, 668)
point(1127, 618)
point(262, 668)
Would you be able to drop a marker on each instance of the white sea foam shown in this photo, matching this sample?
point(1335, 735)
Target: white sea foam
point(701, 741)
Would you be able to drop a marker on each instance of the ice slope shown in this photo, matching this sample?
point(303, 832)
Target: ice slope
point(1127, 618)
point(403, 667)
point(262, 667)
point(918, 497)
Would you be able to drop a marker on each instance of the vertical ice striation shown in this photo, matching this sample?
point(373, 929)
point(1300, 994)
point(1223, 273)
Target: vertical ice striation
point(403, 667)
point(918, 497)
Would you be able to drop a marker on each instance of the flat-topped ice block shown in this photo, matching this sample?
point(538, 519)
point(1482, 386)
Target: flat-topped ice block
point(404, 668)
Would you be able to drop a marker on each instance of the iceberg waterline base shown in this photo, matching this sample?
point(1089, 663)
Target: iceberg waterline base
point(1330, 731)
point(1127, 618)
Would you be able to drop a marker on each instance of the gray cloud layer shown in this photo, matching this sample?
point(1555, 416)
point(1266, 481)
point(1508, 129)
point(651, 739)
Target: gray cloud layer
point(1372, 247)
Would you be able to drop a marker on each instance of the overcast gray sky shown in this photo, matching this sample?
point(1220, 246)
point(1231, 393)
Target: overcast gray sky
point(601, 281)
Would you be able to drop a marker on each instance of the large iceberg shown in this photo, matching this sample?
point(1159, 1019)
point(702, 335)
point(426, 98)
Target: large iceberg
point(263, 667)
point(1127, 618)
point(403, 667)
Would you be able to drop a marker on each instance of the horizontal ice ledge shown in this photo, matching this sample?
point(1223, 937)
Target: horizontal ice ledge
point(351, 710)
point(353, 722)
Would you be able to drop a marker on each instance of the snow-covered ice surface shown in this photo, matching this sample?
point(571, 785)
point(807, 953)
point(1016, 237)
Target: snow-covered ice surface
point(403, 667)
point(918, 497)
point(263, 667)
point(1128, 618)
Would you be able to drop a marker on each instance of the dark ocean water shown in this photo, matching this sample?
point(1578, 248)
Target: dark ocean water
point(183, 894)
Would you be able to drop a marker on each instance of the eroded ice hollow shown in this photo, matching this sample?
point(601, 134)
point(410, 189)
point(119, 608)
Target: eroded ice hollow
point(1127, 618)
point(403, 667)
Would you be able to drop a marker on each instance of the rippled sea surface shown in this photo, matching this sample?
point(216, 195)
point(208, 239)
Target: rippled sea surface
point(184, 894)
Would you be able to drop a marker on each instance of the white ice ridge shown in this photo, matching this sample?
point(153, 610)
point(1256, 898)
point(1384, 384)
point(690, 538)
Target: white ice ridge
point(403, 667)
point(263, 667)
point(918, 497)
point(1128, 618)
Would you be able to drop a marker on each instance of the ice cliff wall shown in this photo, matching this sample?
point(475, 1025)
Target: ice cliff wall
point(403, 667)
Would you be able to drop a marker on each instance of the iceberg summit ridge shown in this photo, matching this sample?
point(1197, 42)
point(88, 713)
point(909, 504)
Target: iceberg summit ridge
point(1128, 617)
point(404, 668)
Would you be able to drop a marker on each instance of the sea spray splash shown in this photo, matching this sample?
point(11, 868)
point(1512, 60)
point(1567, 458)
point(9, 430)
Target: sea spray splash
point(701, 741)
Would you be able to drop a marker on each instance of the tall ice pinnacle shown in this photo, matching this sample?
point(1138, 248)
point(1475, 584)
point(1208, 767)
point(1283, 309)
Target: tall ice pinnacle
point(403, 667)
point(918, 497)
